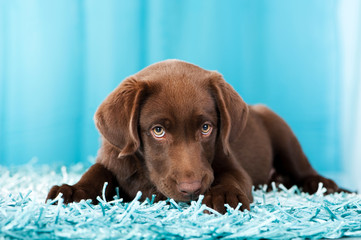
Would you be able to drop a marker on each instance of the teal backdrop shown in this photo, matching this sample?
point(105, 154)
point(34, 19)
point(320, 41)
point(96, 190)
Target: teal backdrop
point(59, 59)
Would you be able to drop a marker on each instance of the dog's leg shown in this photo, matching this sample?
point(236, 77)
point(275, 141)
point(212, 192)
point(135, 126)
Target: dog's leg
point(289, 159)
point(232, 185)
point(89, 186)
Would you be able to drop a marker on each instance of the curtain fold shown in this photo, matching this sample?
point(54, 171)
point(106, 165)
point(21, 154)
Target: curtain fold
point(350, 95)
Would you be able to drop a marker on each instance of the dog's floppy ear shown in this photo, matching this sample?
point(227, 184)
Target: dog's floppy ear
point(232, 109)
point(117, 117)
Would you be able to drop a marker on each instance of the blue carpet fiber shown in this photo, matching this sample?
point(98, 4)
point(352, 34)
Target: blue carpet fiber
point(279, 214)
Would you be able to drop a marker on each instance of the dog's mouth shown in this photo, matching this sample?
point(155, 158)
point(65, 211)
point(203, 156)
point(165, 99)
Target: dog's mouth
point(184, 192)
point(190, 190)
point(187, 198)
point(193, 197)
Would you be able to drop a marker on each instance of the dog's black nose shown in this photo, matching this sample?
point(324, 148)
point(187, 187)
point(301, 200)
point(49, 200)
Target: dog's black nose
point(190, 188)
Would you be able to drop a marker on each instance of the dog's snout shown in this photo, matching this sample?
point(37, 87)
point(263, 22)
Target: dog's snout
point(190, 188)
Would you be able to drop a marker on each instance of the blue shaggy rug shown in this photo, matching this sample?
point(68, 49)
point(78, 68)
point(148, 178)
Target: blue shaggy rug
point(279, 214)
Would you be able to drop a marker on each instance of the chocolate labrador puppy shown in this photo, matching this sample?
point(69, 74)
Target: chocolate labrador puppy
point(178, 131)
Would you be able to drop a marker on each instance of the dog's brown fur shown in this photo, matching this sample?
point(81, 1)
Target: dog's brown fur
point(241, 145)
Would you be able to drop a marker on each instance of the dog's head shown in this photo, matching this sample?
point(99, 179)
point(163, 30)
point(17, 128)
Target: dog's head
point(179, 118)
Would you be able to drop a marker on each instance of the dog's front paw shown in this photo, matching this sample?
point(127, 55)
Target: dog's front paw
point(70, 193)
point(310, 184)
point(219, 195)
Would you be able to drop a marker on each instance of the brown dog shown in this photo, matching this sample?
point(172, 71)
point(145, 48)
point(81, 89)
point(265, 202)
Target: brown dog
point(178, 131)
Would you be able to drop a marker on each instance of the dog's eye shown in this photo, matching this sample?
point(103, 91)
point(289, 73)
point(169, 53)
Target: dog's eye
point(206, 129)
point(158, 131)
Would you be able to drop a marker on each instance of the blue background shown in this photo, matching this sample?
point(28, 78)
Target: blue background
point(59, 59)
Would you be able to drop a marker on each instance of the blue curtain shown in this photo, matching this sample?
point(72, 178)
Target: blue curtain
point(59, 59)
point(350, 92)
